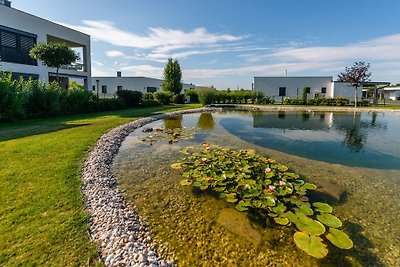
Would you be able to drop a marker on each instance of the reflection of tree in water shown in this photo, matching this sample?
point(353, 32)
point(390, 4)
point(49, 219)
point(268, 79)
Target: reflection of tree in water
point(354, 139)
point(173, 122)
point(356, 131)
point(206, 121)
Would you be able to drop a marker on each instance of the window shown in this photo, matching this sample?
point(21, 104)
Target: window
point(282, 91)
point(323, 90)
point(308, 90)
point(119, 88)
point(104, 89)
point(15, 46)
point(93, 87)
point(151, 89)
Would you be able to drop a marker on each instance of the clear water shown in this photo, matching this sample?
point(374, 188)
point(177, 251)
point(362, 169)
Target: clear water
point(352, 157)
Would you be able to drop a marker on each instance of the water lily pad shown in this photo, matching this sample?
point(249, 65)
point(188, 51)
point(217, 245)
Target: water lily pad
point(176, 166)
point(310, 226)
point(186, 182)
point(339, 239)
point(281, 220)
point(308, 186)
point(243, 205)
point(282, 168)
point(322, 207)
point(329, 220)
point(312, 245)
point(231, 197)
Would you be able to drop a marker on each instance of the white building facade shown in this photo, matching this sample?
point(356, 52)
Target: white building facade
point(108, 86)
point(279, 88)
point(20, 31)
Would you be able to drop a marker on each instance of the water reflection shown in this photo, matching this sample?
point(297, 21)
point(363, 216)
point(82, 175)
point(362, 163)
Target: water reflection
point(206, 121)
point(353, 139)
point(173, 122)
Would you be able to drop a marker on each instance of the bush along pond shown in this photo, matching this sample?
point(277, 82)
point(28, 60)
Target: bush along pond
point(254, 182)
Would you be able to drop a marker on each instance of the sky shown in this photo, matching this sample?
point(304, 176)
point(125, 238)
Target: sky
point(225, 43)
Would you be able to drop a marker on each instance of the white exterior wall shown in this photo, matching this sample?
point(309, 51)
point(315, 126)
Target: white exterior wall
point(19, 20)
point(346, 90)
point(129, 83)
point(294, 86)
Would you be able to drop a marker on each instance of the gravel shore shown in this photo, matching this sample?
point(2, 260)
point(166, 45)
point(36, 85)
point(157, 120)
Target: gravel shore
point(115, 226)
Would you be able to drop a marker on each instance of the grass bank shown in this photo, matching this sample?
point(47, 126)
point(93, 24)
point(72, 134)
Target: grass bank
point(42, 221)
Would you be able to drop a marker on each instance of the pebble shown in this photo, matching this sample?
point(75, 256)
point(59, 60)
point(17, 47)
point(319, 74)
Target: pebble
point(122, 236)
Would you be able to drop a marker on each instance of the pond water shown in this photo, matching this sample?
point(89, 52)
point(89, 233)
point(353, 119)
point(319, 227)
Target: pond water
point(353, 158)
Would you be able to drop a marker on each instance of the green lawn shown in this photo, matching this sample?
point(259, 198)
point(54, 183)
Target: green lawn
point(42, 221)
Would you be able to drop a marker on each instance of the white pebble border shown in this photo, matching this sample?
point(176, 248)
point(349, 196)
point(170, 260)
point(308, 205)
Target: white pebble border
point(114, 225)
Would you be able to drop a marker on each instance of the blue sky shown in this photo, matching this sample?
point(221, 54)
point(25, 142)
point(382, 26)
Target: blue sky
point(226, 43)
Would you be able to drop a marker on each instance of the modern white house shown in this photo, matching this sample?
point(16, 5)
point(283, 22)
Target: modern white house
point(392, 93)
point(108, 86)
point(279, 88)
point(20, 31)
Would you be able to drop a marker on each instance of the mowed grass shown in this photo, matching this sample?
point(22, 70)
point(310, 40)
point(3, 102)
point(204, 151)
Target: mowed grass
point(42, 220)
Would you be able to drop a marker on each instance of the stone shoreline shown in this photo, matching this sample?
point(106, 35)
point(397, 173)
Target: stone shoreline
point(115, 226)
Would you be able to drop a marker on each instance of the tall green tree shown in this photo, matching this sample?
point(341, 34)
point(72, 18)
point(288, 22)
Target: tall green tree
point(54, 55)
point(172, 77)
point(356, 75)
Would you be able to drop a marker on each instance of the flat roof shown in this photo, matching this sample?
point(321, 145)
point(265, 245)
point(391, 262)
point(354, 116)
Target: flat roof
point(25, 13)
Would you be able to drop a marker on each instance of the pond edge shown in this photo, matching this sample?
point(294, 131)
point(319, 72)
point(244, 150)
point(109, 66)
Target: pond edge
point(114, 224)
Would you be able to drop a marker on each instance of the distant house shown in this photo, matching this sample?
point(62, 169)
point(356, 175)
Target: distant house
point(279, 88)
point(392, 93)
point(108, 86)
point(20, 31)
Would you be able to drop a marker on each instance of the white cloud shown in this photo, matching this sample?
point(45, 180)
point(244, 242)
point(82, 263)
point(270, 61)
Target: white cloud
point(114, 53)
point(144, 70)
point(162, 39)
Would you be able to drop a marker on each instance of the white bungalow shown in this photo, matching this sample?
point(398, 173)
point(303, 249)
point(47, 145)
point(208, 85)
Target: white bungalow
point(279, 88)
point(108, 86)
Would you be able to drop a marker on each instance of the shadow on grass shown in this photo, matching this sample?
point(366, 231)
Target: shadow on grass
point(10, 134)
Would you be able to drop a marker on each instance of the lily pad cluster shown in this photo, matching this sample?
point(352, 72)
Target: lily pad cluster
point(166, 134)
point(252, 181)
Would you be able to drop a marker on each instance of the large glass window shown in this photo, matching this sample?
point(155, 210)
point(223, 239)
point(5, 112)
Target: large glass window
point(15, 46)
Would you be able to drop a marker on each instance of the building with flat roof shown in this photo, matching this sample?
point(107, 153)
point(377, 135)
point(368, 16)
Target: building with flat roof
point(108, 86)
point(20, 31)
point(278, 88)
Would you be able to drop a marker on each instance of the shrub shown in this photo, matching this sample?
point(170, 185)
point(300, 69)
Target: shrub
point(107, 104)
point(164, 98)
point(178, 99)
point(192, 93)
point(42, 100)
point(206, 95)
point(131, 98)
point(293, 101)
point(12, 98)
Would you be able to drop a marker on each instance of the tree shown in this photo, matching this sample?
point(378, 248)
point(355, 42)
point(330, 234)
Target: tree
point(172, 77)
point(356, 75)
point(54, 55)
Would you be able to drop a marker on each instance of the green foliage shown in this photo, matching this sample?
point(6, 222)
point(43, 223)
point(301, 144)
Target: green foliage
point(12, 98)
point(339, 101)
point(21, 99)
point(206, 95)
point(131, 98)
point(251, 181)
point(227, 96)
point(149, 100)
point(178, 99)
point(172, 77)
point(164, 98)
point(304, 98)
point(54, 55)
point(192, 93)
